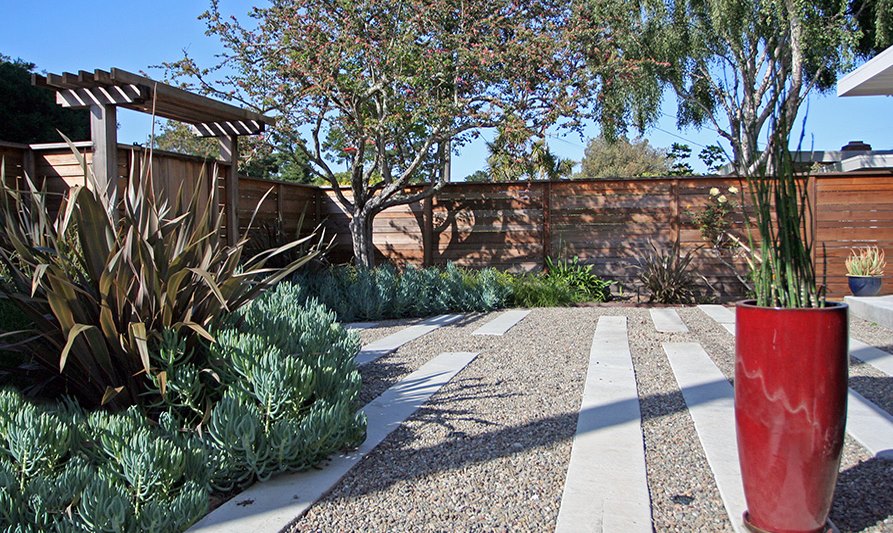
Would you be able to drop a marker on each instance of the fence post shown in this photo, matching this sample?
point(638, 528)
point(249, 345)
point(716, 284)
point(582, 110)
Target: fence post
point(280, 203)
point(677, 223)
point(547, 221)
point(229, 153)
point(813, 197)
point(428, 231)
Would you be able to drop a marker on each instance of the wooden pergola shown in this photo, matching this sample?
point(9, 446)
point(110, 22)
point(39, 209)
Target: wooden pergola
point(103, 92)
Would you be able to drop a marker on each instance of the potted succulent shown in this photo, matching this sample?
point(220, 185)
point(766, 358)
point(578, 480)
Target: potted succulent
point(865, 270)
point(790, 365)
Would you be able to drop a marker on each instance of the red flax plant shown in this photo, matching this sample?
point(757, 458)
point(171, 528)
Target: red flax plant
point(103, 279)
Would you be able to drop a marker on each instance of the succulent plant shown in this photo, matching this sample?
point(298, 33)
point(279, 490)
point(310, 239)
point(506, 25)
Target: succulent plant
point(868, 261)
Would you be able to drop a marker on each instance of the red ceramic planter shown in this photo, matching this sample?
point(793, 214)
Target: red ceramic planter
point(790, 412)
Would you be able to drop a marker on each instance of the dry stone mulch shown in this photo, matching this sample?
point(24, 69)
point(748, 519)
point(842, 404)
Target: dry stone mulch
point(489, 451)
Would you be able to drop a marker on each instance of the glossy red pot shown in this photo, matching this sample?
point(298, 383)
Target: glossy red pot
point(790, 412)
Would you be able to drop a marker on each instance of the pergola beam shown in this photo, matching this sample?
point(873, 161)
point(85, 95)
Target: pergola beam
point(229, 128)
point(108, 95)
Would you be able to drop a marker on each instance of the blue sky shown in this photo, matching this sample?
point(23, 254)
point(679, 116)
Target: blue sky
point(75, 35)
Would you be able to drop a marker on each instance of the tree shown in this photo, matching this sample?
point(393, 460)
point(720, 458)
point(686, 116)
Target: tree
point(401, 82)
point(257, 158)
point(874, 18)
point(622, 158)
point(732, 63)
point(478, 176)
point(30, 114)
point(516, 154)
point(678, 154)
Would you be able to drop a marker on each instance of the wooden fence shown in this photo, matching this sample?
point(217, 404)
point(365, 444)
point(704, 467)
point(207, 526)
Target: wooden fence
point(55, 167)
point(610, 224)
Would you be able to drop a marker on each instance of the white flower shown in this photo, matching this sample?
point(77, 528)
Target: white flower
point(722, 199)
point(714, 191)
point(733, 190)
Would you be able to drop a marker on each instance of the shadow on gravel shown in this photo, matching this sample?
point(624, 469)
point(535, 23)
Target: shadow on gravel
point(462, 449)
point(864, 495)
point(377, 378)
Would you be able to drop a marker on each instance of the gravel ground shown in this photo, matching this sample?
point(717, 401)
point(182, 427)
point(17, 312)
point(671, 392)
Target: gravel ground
point(489, 451)
point(864, 378)
point(684, 496)
point(381, 374)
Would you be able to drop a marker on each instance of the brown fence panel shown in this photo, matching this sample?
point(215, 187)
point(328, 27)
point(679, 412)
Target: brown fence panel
point(851, 212)
point(277, 208)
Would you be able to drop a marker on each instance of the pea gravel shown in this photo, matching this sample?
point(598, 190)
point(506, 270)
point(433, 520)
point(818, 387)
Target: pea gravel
point(489, 452)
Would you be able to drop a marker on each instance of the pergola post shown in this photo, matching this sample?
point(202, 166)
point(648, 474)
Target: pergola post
point(104, 132)
point(229, 153)
point(102, 92)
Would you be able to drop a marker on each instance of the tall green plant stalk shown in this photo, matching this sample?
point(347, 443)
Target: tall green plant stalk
point(784, 272)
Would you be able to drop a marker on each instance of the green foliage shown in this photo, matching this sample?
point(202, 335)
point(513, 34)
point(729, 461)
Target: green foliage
point(622, 158)
point(678, 154)
point(666, 276)
point(586, 284)
point(388, 88)
point(478, 176)
point(30, 114)
point(869, 261)
point(104, 278)
point(515, 154)
point(714, 220)
point(714, 157)
point(286, 369)
point(64, 469)
point(280, 396)
point(875, 20)
point(729, 62)
point(534, 290)
point(383, 292)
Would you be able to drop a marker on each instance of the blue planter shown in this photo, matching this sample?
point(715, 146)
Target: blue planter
point(864, 285)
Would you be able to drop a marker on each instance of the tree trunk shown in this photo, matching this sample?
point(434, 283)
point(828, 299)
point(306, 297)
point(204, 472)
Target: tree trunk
point(361, 235)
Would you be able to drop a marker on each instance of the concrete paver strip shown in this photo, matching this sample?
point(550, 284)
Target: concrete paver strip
point(720, 313)
point(502, 323)
point(271, 506)
point(667, 320)
point(877, 309)
point(360, 325)
point(606, 487)
point(870, 425)
point(875, 357)
point(711, 402)
point(391, 343)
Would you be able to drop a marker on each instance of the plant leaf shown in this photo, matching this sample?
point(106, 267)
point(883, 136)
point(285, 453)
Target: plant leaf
point(140, 338)
point(72, 336)
point(110, 392)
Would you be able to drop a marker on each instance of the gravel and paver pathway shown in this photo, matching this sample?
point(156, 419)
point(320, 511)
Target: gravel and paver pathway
point(490, 450)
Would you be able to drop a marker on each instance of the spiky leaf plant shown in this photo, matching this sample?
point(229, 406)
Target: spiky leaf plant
point(666, 275)
point(105, 277)
point(784, 272)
